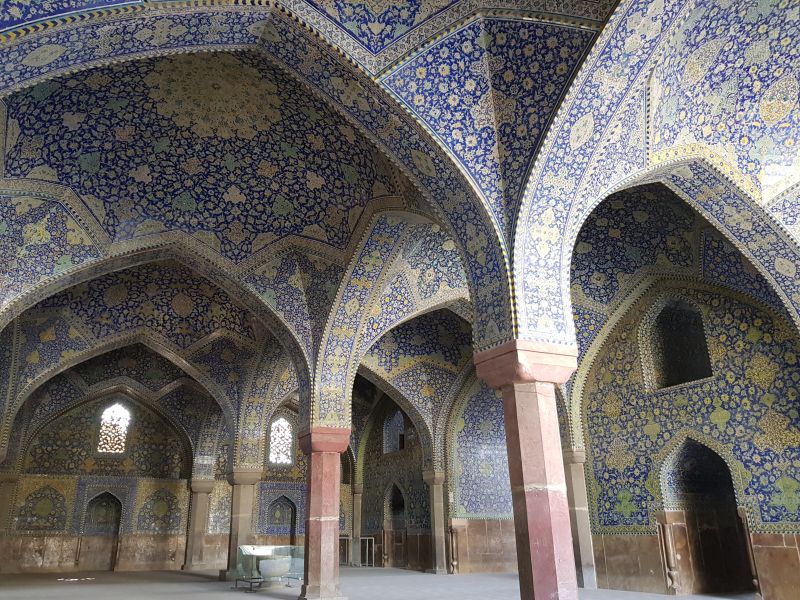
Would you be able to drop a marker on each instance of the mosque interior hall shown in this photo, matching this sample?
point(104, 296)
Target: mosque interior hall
point(400, 299)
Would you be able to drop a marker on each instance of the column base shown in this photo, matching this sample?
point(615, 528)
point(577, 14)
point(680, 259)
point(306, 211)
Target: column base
point(313, 592)
point(587, 578)
point(194, 567)
point(436, 571)
point(227, 575)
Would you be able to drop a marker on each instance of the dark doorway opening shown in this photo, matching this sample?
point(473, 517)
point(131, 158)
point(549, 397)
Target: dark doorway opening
point(709, 539)
point(395, 529)
point(100, 540)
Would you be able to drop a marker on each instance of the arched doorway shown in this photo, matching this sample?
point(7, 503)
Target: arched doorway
point(100, 540)
point(706, 545)
point(282, 520)
point(394, 527)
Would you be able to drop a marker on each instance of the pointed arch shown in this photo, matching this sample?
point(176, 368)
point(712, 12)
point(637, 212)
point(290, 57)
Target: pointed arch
point(177, 246)
point(102, 515)
point(421, 426)
point(395, 507)
point(148, 340)
point(665, 461)
point(356, 319)
point(608, 145)
point(114, 392)
point(282, 518)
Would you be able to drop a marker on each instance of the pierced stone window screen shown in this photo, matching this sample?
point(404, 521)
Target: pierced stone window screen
point(114, 429)
point(678, 352)
point(394, 429)
point(280, 442)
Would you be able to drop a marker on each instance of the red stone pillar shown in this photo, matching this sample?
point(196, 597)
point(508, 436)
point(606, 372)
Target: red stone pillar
point(198, 522)
point(526, 373)
point(243, 482)
point(323, 445)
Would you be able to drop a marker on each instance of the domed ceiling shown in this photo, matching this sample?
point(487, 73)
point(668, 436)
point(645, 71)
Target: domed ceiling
point(219, 145)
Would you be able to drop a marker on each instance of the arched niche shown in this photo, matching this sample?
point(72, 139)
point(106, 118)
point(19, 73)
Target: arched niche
point(102, 522)
point(282, 519)
point(673, 344)
point(395, 525)
point(705, 547)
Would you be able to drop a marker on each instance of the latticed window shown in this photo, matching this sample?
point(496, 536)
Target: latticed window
point(280, 442)
point(114, 429)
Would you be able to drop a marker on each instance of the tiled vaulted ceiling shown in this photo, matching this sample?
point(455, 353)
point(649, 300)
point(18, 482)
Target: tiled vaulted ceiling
point(484, 78)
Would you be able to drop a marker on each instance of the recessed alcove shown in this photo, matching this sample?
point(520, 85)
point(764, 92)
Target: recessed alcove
point(679, 351)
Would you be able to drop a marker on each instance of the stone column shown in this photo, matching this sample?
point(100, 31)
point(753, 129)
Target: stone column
point(435, 481)
point(527, 372)
point(355, 551)
point(8, 484)
point(198, 522)
point(242, 497)
point(574, 460)
point(323, 445)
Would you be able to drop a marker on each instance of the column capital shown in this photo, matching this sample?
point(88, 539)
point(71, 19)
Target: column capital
point(324, 439)
point(433, 477)
point(523, 361)
point(202, 486)
point(573, 456)
point(245, 476)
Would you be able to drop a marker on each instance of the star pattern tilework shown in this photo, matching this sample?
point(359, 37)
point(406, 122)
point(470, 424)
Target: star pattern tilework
point(237, 184)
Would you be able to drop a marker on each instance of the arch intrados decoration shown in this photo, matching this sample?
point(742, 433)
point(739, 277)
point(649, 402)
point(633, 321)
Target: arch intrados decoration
point(420, 312)
point(576, 402)
point(378, 251)
point(665, 174)
point(563, 194)
point(417, 420)
point(146, 339)
point(428, 166)
point(348, 460)
point(181, 248)
point(131, 395)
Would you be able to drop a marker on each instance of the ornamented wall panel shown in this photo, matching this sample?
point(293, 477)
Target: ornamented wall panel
point(478, 479)
point(747, 410)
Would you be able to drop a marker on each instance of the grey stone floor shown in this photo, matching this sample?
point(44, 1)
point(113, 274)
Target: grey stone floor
point(357, 584)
